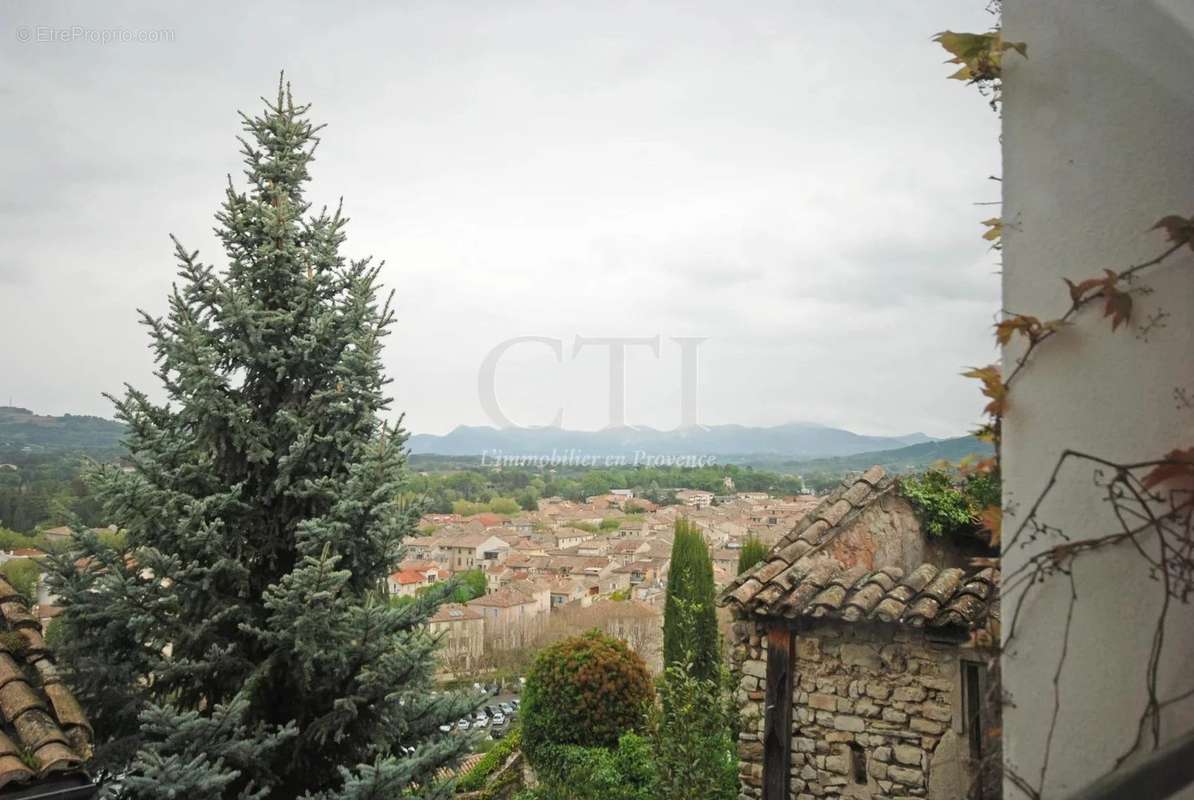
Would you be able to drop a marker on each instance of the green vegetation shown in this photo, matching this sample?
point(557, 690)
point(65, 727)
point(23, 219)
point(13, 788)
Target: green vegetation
point(753, 551)
point(695, 753)
point(22, 574)
point(22, 430)
point(623, 772)
point(587, 691)
point(480, 485)
point(694, 741)
point(949, 506)
point(11, 540)
point(471, 584)
point(823, 474)
point(476, 777)
point(689, 616)
point(496, 505)
point(45, 489)
point(255, 660)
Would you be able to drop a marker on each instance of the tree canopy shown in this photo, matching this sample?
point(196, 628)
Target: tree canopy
point(236, 645)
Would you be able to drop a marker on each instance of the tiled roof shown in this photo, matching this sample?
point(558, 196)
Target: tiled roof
point(408, 576)
point(793, 582)
point(502, 598)
point(42, 727)
point(454, 612)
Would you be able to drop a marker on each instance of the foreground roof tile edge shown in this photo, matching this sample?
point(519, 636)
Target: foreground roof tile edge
point(792, 583)
point(43, 729)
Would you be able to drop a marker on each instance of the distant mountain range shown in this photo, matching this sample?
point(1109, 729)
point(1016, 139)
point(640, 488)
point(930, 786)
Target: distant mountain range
point(802, 447)
point(795, 441)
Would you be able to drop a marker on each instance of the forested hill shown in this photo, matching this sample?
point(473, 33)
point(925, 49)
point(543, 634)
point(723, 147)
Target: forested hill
point(912, 458)
point(22, 430)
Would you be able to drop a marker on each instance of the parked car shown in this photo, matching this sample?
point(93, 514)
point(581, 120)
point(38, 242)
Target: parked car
point(445, 728)
point(462, 725)
point(506, 708)
point(499, 720)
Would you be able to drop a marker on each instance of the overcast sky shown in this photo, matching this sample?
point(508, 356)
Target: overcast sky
point(794, 180)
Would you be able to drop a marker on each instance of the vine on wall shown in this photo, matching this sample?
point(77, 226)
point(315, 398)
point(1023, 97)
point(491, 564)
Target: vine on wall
point(1151, 500)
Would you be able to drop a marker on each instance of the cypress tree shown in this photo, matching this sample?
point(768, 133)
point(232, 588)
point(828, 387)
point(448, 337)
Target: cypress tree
point(753, 551)
point(689, 617)
point(237, 645)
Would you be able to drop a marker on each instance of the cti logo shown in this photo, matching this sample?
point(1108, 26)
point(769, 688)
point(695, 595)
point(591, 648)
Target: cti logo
point(616, 346)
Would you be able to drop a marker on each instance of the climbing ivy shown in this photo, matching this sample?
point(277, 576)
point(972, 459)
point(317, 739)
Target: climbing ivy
point(947, 506)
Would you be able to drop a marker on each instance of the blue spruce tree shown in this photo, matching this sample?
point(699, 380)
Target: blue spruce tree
point(239, 646)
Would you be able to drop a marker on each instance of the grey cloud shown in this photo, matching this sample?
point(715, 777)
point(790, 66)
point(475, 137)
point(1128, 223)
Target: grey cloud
point(531, 168)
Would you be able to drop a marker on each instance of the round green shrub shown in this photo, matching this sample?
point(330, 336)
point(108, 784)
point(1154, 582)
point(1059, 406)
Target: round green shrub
point(586, 690)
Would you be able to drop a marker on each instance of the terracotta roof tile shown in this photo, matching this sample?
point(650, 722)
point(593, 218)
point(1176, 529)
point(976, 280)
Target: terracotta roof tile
point(798, 579)
point(42, 727)
point(827, 589)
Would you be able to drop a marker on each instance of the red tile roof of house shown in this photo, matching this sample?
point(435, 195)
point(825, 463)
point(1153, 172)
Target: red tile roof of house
point(407, 577)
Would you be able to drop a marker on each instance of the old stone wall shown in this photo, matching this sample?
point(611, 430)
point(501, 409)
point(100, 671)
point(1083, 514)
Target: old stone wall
point(875, 713)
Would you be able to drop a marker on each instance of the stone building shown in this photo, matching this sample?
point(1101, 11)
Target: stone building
point(463, 632)
point(862, 651)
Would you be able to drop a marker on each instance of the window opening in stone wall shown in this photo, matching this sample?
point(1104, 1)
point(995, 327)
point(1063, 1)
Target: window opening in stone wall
point(857, 763)
point(972, 674)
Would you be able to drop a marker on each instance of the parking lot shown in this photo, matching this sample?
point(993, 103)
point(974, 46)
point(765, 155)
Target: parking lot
point(495, 716)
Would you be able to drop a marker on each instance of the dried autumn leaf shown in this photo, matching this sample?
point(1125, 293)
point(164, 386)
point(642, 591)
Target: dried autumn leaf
point(1178, 229)
point(994, 229)
point(973, 465)
point(986, 466)
point(1079, 291)
point(965, 46)
point(985, 434)
point(1027, 325)
point(1178, 464)
point(1118, 306)
point(1020, 323)
point(991, 518)
point(979, 54)
point(993, 388)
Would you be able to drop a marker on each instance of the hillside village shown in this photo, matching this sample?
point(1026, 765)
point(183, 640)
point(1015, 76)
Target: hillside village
point(565, 567)
point(569, 565)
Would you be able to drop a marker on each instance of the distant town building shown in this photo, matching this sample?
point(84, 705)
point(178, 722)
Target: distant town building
point(695, 498)
point(463, 632)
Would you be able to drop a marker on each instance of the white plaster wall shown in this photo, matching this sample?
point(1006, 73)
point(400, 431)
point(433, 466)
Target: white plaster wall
point(1098, 143)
